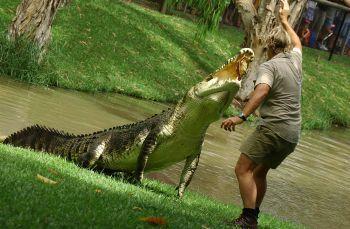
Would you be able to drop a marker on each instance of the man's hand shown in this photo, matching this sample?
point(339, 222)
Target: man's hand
point(284, 10)
point(230, 123)
point(284, 13)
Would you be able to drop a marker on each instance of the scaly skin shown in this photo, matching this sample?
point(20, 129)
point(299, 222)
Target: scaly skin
point(157, 142)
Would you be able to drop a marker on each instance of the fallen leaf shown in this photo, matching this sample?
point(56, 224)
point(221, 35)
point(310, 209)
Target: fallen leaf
point(98, 190)
point(83, 43)
point(154, 220)
point(137, 209)
point(54, 172)
point(205, 227)
point(45, 179)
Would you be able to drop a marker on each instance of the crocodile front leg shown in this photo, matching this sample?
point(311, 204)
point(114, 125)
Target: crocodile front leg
point(187, 173)
point(147, 148)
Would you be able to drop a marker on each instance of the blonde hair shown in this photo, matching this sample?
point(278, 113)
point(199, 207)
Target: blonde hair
point(279, 40)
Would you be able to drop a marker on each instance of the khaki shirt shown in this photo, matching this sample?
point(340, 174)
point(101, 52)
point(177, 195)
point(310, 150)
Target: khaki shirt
point(280, 111)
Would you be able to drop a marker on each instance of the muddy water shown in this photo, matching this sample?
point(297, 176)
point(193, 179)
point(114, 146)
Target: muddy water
point(311, 187)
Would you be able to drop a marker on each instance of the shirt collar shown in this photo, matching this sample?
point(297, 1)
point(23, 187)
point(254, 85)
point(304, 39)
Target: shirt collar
point(281, 55)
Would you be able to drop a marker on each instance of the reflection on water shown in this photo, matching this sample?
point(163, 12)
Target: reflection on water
point(311, 187)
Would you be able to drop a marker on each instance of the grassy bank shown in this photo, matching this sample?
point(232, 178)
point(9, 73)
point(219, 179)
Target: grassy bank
point(112, 46)
point(82, 198)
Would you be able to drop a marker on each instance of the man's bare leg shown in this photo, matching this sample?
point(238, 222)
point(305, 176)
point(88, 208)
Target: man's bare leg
point(247, 186)
point(260, 173)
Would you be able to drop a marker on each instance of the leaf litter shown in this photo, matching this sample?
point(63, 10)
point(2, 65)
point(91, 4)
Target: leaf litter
point(45, 179)
point(154, 220)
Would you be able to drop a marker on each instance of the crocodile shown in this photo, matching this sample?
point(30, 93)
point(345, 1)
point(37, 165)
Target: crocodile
point(172, 136)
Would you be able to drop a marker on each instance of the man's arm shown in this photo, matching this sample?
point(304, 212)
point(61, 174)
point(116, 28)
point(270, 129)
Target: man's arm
point(258, 96)
point(283, 13)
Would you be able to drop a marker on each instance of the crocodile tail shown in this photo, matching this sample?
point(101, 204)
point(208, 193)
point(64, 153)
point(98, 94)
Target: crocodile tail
point(38, 138)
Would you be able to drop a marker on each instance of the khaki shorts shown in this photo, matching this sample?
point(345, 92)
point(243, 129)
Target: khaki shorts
point(265, 147)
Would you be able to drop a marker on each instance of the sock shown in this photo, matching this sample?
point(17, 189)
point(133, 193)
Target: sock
point(249, 212)
point(257, 211)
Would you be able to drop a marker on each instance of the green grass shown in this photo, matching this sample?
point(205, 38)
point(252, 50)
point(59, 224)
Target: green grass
point(74, 202)
point(26, 68)
point(112, 46)
point(326, 90)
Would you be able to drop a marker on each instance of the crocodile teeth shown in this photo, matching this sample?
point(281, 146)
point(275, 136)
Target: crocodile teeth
point(247, 50)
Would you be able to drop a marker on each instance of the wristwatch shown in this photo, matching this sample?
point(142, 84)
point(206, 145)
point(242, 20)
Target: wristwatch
point(241, 116)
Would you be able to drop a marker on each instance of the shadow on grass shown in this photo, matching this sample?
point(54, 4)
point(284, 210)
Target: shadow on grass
point(190, 48)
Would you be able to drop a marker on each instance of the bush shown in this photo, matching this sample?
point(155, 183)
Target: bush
point(19, 59)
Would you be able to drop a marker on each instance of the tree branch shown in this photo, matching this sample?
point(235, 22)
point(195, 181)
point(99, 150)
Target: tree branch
point(248, 13)
point(296, 9)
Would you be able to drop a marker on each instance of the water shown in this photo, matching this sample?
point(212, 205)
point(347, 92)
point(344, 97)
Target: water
point(311, 187)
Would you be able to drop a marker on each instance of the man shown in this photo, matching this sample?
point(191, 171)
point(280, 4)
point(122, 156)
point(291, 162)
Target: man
point(278, 93)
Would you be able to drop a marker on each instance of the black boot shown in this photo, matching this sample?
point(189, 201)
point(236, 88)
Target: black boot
point(247, 220)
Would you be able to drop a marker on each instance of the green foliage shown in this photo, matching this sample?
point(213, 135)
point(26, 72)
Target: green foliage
point(230, 111)
point(210, 12)
point(19, 59)
point(85, 199)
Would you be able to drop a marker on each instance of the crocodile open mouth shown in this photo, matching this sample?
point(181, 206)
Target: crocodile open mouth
point(242, 69)
point(245, 57)
point(235, 68)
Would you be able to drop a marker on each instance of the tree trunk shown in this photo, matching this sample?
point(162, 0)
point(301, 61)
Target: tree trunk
point(258, 19)
point(163, 6)
point(229, 12)
point(33, 20)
